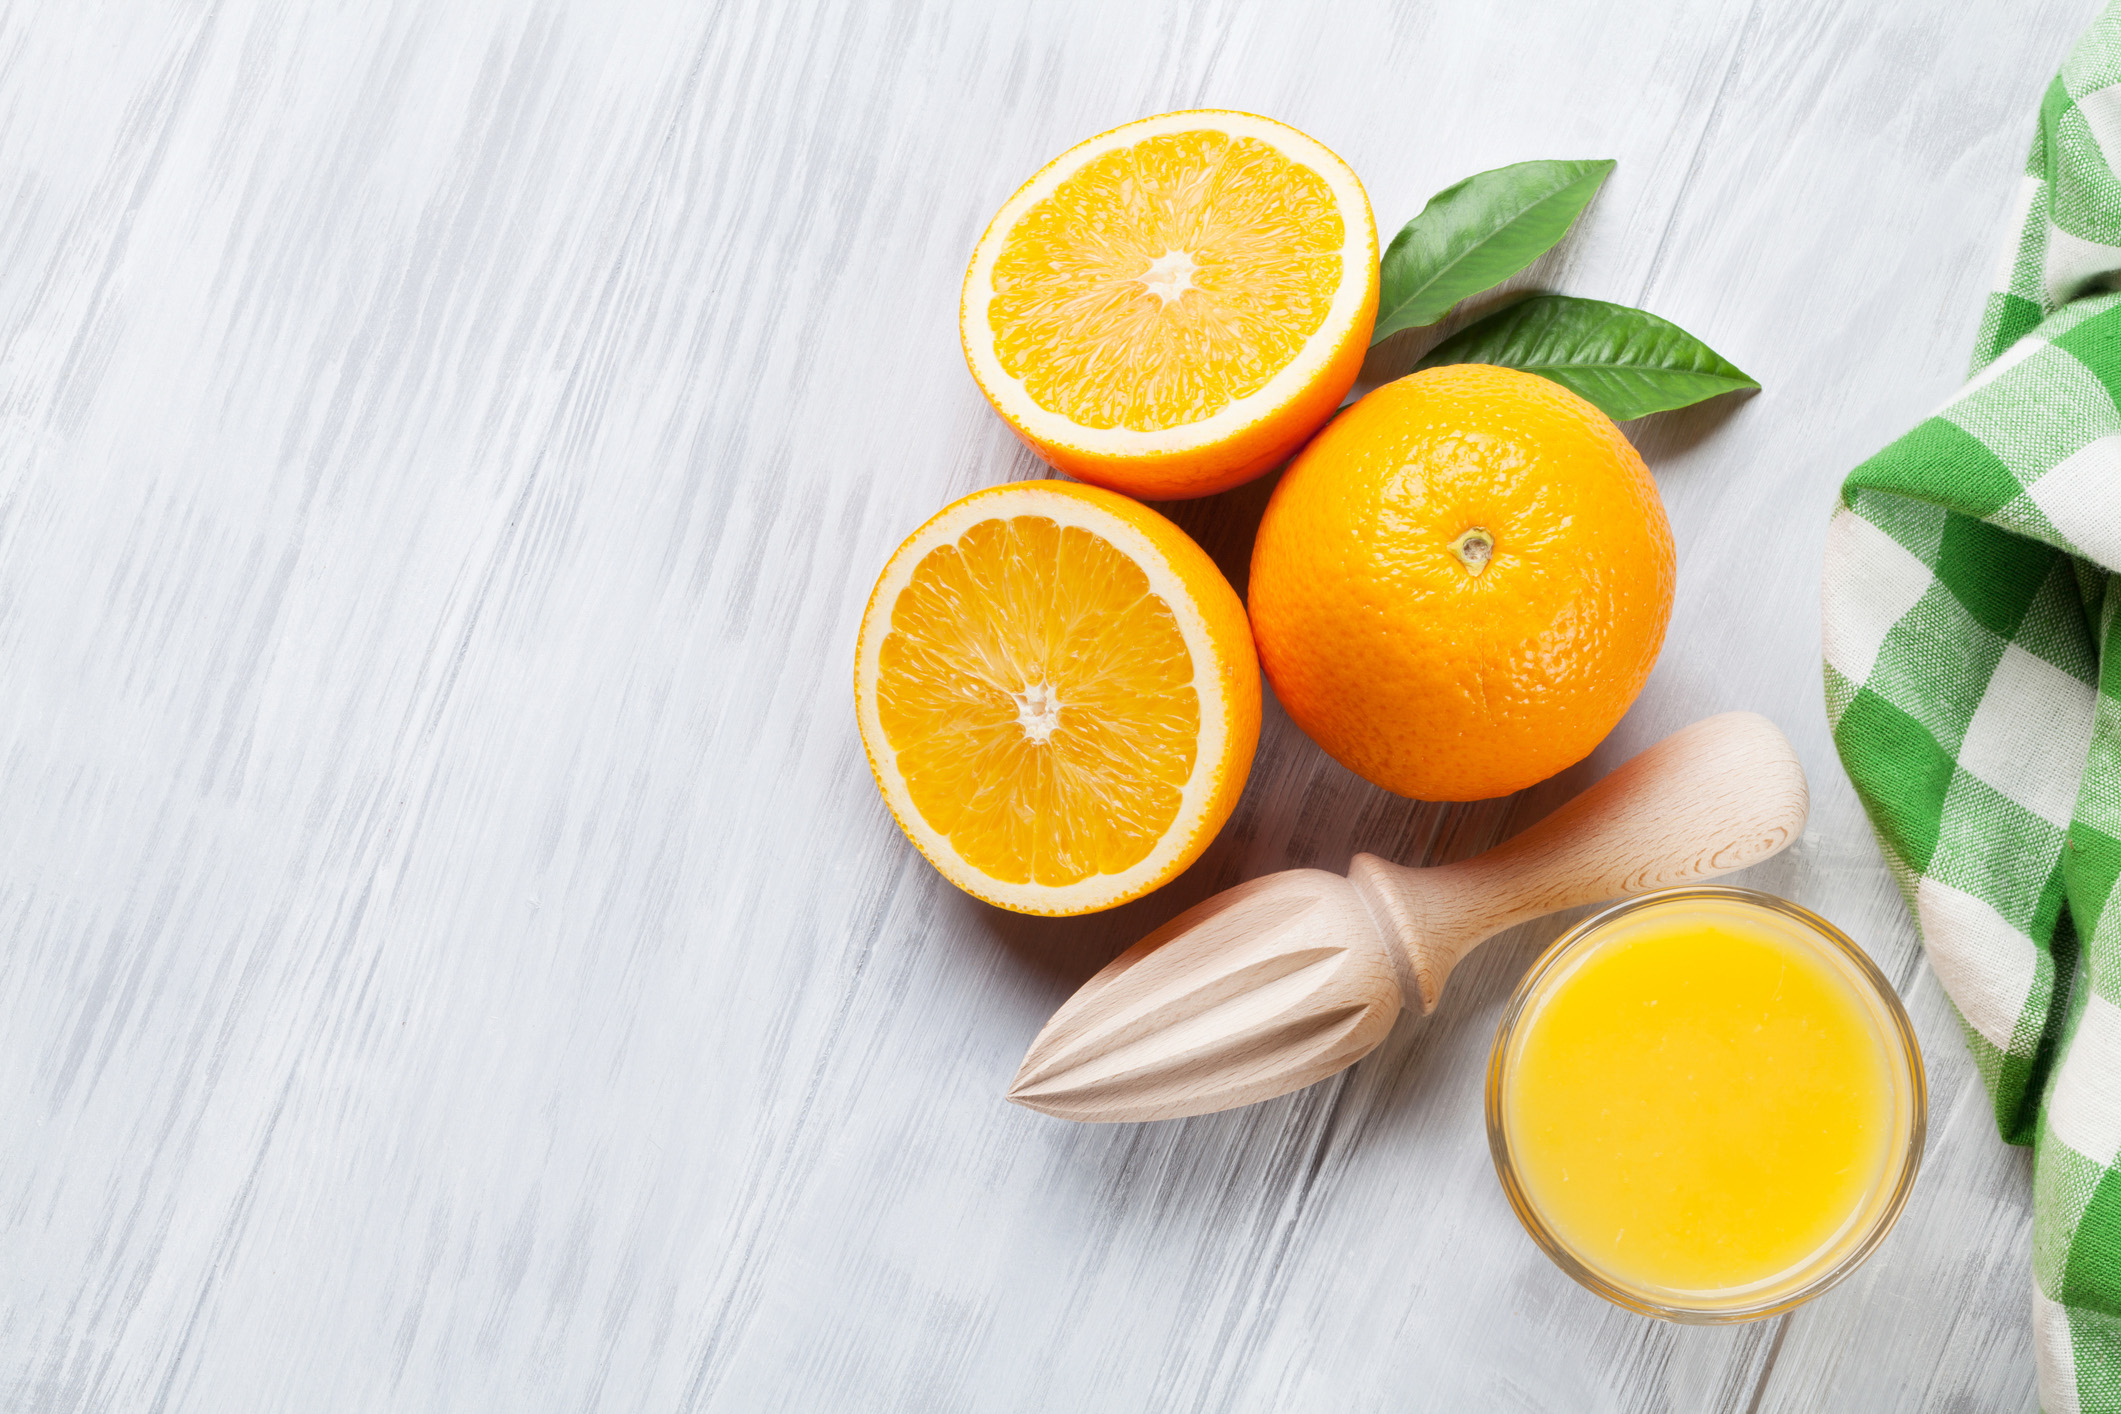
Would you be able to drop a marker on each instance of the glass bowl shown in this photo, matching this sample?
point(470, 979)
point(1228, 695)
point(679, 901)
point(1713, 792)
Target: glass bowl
point(1872, 1219)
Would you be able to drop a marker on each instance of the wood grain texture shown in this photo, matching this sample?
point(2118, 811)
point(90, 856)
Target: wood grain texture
point(1288, 978)
point(1265, 988)
point(1718, 795)
point(451, 954)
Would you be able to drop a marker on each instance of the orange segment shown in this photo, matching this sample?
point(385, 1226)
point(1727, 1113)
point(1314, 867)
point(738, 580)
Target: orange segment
point(1172, 307)
point(1059, 696)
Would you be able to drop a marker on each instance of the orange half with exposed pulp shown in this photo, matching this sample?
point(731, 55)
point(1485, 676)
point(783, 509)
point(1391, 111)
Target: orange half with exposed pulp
point(1173, 307)
point(1058, 694)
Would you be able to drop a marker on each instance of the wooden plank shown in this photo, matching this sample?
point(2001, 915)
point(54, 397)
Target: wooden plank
point(455, 956)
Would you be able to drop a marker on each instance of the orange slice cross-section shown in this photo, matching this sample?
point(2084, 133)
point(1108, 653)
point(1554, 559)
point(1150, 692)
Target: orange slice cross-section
point(1058, 694)
point(1172, 307)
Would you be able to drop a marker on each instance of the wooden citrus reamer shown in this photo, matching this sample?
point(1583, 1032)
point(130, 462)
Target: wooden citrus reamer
point(1286, 979)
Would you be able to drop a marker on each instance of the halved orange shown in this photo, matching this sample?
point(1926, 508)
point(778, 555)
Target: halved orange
point(1173, 307)
point(1058, 694)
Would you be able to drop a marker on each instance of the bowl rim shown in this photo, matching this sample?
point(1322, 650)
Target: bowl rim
point(1777, 1296)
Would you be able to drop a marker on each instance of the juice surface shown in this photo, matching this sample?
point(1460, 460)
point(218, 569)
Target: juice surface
point(1702, 1102)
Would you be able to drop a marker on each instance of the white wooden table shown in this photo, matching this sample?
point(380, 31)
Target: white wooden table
point(452, 956)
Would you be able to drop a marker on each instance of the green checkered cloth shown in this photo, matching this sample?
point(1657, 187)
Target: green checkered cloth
point(1973, 679)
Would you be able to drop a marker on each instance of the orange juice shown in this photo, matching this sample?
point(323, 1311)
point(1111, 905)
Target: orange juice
point(1704, 1098)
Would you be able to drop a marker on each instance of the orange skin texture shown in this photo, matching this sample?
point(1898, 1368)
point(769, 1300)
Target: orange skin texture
point(1417, 674)
point(1251, 453)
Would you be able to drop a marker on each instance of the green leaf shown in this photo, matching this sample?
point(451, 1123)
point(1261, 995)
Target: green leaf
point(1626, 361)
point(1473, 236)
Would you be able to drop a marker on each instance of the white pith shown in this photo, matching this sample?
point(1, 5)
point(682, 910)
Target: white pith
point(1098, 890)
point(1358, 257)
point(1171, 274)
point(1038, 709)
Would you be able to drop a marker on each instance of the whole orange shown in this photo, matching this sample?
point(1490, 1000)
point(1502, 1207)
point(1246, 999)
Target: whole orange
point(1462, 582)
